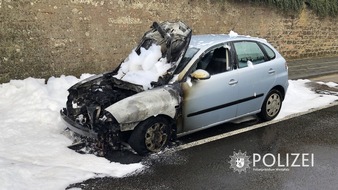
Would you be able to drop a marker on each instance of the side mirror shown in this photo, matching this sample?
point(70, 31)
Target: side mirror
point(200, 75)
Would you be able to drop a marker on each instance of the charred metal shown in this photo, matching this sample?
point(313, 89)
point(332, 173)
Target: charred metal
point(85, 109)
point(103, 109)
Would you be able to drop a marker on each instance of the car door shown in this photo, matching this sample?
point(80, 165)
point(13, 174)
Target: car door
point(256, 76)
point(212, 101)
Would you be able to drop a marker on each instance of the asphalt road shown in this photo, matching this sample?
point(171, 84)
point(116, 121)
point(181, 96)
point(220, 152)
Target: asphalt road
point(207, 166)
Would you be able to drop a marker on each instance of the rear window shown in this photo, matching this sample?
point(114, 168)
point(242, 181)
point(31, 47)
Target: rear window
point(270, 53)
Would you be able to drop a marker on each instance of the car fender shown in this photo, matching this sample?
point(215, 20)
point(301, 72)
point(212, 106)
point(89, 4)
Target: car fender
point(159, 101)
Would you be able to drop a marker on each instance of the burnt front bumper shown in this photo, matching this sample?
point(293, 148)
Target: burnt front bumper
point(76, 127)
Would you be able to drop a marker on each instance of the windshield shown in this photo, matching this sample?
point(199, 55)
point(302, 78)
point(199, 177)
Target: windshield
point(191, 51)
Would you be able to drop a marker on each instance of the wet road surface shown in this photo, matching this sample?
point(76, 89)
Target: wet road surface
point(207, 166)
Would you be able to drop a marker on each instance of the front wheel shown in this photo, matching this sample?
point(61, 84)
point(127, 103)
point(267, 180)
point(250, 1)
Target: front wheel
point(151, 135)
point(271, 105)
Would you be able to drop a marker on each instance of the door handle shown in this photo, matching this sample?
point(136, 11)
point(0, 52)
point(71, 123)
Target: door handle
point(271, 71)
point(233, 82)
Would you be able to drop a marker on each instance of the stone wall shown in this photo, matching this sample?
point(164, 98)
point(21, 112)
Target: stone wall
point(42, 38)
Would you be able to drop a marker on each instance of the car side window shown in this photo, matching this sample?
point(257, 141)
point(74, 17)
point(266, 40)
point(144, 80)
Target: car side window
point(214, 62)
point(269, 52)
point(248, 51)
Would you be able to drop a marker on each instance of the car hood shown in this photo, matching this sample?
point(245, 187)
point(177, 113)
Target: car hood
point(172, 39)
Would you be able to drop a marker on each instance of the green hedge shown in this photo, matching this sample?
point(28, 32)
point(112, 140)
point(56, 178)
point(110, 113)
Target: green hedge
point(321, 7)
point(324, 7)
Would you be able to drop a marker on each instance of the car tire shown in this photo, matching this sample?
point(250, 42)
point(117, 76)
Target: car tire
point(151, 135)
point(271, 105)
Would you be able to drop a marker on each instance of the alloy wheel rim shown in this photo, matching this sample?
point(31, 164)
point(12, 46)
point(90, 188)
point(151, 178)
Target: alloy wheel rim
point(156, 137)
point(273, 105)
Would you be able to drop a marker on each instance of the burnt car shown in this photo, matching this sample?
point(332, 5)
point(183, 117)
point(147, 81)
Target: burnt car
point(184, 84)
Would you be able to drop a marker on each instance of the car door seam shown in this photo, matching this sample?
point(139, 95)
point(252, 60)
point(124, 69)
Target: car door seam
point(224, 105)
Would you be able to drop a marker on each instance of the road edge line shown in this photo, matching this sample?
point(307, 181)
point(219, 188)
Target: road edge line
point(260, 125)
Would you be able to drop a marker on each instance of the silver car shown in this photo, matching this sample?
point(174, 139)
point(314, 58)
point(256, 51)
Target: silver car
point(212, 79)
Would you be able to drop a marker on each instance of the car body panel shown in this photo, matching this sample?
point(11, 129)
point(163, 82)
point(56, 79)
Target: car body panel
point(252, 86)
point(207, 102)
point(146, 104)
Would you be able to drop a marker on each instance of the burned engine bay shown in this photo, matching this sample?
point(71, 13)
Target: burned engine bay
point(86, 103)
point(86, 115)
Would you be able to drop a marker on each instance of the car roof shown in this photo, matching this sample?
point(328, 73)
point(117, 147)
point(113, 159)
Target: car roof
point(205, 41)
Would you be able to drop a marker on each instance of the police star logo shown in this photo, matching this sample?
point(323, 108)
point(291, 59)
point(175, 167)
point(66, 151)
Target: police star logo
point(239, 162)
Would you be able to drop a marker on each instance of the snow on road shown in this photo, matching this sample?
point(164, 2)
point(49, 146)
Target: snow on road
point(34, 153)
point(300, 98)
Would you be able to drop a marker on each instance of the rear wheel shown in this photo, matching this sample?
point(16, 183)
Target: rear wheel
point(271, 105)
point(151, 135)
